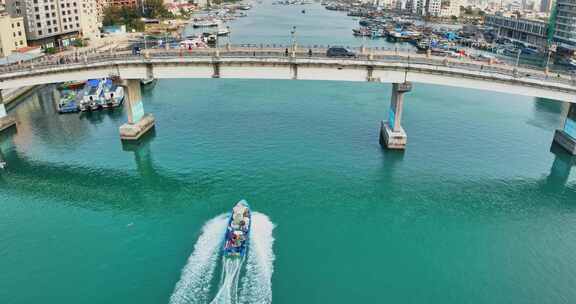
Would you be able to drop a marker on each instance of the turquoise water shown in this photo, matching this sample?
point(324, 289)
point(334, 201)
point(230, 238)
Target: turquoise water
point(478, 209)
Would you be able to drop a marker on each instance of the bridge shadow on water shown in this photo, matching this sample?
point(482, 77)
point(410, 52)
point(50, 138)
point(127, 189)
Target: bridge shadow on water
point(148, 189)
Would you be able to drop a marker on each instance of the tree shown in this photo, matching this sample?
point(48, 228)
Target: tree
point(156, 9)
point(123, 16)
point(184, 13)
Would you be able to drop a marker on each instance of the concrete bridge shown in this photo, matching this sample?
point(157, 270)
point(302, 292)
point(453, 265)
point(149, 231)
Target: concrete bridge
point(402, 70)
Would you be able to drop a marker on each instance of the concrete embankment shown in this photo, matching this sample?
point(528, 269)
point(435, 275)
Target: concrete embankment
point(10, 96)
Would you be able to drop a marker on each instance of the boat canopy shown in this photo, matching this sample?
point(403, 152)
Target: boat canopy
point(93, 82)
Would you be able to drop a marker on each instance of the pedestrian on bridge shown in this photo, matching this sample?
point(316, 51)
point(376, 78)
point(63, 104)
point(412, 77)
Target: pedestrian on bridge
point(286, 52)
point(309, 52)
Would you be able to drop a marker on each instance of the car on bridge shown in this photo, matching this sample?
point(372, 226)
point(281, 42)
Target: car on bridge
point(339, 51)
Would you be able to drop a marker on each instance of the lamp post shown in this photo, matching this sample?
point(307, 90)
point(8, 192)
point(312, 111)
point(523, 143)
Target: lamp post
point(551, 49)
point(229, 41)
point(293, 35)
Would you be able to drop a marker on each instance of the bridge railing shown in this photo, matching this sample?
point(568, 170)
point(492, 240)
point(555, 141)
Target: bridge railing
point(379, 55)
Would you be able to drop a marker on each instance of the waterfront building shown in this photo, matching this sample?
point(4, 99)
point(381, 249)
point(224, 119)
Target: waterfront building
point(12, 34)
point(409, 5)
point(565, 24)
point(400, 5)
point(545, 6)
point(450, 8)
point(418, 7)
point(56, 23)
point(433, 8)
point(124, 3)
point(527, 30)
point(90, 22)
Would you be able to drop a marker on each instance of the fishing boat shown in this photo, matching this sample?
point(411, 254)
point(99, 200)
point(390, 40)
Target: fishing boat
point(113, 95)
point(237, 231)
point(71, 85)
point(91, 95)
point(67, 102)
point(101, 94)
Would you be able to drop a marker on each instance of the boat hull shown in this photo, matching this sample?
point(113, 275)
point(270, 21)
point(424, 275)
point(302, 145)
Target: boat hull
point(237, 236)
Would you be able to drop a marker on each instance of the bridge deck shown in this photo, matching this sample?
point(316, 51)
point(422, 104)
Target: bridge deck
point(380, 66)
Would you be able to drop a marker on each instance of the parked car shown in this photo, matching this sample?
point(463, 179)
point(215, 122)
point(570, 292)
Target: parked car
point(338, 51)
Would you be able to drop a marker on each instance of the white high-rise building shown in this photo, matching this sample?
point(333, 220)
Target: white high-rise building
point(450, 8)
point(433, 8)
point(89, 20)
point(12, 34)
point(419, 7)
point(55, 23)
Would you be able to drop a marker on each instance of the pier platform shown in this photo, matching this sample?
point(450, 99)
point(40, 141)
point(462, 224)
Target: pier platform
point(134, 131)
point(565, 141)
point(7, 122)
point(393, 139)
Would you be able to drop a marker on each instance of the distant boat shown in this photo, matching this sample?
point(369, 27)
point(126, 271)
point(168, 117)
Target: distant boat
point(206, 23)
point(223, 31)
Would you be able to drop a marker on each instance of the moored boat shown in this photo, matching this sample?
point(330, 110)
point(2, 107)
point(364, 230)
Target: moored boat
point(113, 96)
point(101, 94)
point(71, 85)
point(238, 231)
point(206, 23)
point(91, 95)
point(67, 102)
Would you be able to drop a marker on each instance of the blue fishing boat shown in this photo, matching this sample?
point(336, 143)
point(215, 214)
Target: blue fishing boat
point(237, 231)
point(67, 102)
point(101, 94)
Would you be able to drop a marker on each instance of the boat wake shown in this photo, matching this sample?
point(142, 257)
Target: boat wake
point(243, 280)
point(228, 292)
point(256, 284)
point(194, 284)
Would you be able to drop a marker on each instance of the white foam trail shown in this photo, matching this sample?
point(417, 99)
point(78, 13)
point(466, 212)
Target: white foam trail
point(256, 284)
point(228, 292)
point(194, 284)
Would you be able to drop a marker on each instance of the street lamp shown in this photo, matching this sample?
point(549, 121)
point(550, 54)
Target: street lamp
point(551, 49)
point(518, 57)
point(293, 35)
point(229, 34)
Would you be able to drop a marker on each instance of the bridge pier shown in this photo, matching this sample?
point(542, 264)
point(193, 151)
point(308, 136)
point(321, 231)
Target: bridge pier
point(6, 121)
point(138, 122)
point(566, 137)
point(392, 135)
